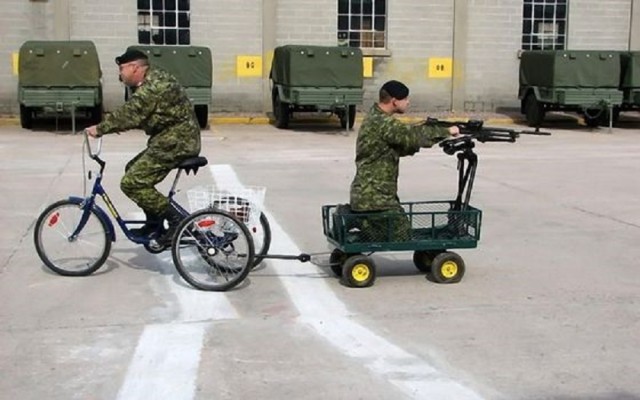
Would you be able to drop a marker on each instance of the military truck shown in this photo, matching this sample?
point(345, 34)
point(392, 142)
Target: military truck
point(192, 66)
point(59, 76)
point(630, 82)
point(316, 79)
point(583, 81)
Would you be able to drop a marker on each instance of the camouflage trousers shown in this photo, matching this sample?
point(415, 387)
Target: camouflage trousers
point(390, 225)
point(142, 174)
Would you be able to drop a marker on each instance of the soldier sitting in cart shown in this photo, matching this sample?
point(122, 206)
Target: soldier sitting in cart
point(382, 140)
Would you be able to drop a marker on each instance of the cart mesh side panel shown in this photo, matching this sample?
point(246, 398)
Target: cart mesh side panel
point(432, 224)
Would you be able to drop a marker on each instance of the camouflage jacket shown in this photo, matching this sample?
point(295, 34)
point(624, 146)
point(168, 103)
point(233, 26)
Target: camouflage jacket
point(161, 108)
point(382, 140)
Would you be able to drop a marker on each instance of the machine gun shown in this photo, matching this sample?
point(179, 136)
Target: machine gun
point(471, 131)
point(474, 130)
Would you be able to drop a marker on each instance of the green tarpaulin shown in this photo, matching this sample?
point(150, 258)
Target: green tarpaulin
point(570, 69)
point(58, 63)
point(191, 65)
point(631, 70)
point(317, 66)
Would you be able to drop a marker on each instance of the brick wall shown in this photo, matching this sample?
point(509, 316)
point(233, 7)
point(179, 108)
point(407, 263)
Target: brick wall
point(417, 31)
point(599, 25)
point(494, 38)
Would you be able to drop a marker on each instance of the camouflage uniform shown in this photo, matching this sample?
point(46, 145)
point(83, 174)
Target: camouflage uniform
point(162, 109)
point(382, 140)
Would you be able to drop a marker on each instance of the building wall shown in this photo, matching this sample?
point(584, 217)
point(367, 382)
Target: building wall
point(417, 31)
point(599, 25)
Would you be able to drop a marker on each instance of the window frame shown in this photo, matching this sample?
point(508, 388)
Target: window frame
point(164, 22)
point(358, 24)
point(544, 24)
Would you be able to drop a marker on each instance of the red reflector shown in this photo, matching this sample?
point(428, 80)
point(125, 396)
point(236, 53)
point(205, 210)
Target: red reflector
point(54, 219)
point(205, 223)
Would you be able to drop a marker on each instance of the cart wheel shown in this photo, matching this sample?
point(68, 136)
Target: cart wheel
point(336, 259)
point(447, 267)
point(358, 271)
point(423, 259)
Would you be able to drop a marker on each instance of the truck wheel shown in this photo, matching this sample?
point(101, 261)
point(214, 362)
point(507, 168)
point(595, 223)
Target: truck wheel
point(26, 117)
point(95, 114)
point(202, 114)
point(348, 117)
point(594, 117)
point(280, 111)
point(534, 110)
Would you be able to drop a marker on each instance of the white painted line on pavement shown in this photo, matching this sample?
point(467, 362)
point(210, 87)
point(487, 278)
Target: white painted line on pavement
point(320, 309)
point(165, 364)
point(167, 357)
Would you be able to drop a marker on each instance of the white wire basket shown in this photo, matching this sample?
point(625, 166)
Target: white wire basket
point(245, 202)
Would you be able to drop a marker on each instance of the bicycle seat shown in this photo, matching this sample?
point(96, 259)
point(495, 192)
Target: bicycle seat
point(192, 164)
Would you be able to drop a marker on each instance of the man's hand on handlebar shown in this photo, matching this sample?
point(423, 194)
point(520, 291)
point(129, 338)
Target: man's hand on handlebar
point(92, 131)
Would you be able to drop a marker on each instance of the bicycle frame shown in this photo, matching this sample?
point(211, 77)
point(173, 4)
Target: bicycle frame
point(89, 202)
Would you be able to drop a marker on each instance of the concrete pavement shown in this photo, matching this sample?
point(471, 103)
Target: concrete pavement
point(548, 308)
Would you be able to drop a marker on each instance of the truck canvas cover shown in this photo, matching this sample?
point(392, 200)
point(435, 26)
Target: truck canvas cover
point(568, 68)
point(191, 65)
point(58, 64)
point(631, 70)
point(317, 66)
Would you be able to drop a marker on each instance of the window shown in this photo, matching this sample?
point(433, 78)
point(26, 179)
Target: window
point(544, 25)
point(163, 22)
point(362, 23)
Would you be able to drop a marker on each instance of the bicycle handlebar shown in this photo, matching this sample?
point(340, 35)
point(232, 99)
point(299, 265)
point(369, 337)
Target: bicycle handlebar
point(88, 144)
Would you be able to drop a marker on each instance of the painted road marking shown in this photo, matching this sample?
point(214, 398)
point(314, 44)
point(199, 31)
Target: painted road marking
point(329, 317)
point(165, 364)
point(167, 356)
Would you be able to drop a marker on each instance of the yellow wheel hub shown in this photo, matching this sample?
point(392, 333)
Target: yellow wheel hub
point(449, 269)
point(360, 272)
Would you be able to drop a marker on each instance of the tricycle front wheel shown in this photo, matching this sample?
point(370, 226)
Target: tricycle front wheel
point(64, 253)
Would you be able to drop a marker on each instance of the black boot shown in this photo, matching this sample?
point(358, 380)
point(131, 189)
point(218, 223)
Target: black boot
point(173, 217)
point(152, 224)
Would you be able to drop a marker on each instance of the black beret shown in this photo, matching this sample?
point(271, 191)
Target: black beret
point(131, 55)
point(396, 89)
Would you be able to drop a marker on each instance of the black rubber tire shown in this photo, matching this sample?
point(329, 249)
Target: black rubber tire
point(95, 114)
point(214, 250)
point(262, 249)
point(26, 117)
point(358, 271)
point(348, 117)
point(594, 117)
point(447, 267)
point(280, 111)
point(336, 259)
point(202, 114)
point(46, 220)
point(423, 259)
point(534, 110)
